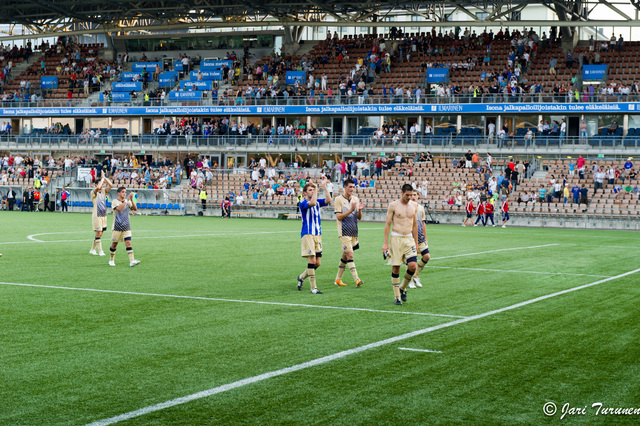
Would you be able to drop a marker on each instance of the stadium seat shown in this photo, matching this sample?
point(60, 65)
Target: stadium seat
point(155, 206)
point(83, 204)
point(142, 205)
point(163, 206)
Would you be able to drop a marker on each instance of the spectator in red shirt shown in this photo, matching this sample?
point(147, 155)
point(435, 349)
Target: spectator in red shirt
point(480, 213)
point(505, 212)
point(469, 213)
point(379, 167)
point(488, 213)
point(69, 97)
point(226, 208)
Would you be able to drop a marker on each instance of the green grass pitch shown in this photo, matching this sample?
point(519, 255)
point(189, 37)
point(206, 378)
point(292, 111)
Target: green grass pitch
point(79, 356)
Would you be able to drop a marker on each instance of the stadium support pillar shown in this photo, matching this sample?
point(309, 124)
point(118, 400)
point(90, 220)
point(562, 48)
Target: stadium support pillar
point(459, 123)
point(498, 123)
point(109, 53)
point(625, 124)
point(292, 38)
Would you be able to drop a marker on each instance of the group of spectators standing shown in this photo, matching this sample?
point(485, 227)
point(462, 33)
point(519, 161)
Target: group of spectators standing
point(79, 68)
point(8, 58)
point(211, 127)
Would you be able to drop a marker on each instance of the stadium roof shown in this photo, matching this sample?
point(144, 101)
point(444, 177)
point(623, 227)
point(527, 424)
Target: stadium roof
point(42, 16)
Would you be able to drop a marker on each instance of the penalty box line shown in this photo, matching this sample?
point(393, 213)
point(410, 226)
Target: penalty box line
point(333, 357)
point(215, 299)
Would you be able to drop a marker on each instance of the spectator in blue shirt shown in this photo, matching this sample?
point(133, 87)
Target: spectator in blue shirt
point(245, 187)
point(628, 164)
point(576, 194)
point(542, 193)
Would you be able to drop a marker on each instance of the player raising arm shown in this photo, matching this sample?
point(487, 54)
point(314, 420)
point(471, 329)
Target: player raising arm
point(99, 214)
point(121, 225)
point(311, 231)
point(401, 215)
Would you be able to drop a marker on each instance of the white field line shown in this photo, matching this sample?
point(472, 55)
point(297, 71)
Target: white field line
point(518, 272)
point(420, 350)
point(333, 357)
point(601, 246)
point(214, 299)
point(31, 238)
point(455, 228)
point(493, 251)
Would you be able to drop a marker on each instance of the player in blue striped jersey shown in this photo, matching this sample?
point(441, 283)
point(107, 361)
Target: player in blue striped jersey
point(312, 231)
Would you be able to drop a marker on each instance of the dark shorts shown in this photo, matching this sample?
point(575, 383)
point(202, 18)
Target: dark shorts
point(469, 215)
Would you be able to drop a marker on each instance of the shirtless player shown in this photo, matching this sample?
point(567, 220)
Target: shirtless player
point(404, 240)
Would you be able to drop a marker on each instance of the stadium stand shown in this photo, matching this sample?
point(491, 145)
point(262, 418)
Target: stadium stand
point(439, 182)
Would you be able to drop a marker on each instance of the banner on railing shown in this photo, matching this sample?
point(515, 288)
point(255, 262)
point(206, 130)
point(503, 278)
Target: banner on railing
point(299, 76)
point(178, 66)
point(199, 85)
point(130, 76)
point(116, 97)
point(593, 72)
point(206, 75)
point(211, 65)
point(593, 108)
point(48, 82)
point(84, 174)
point(150, 66)
point(129, 86)
point(167, 78)
point(437, 75)
point(194, 95)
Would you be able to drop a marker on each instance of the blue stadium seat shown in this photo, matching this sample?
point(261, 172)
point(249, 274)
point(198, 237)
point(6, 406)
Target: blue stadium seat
point(163, 206)
point(169, 206)
point(83, 204)
point(142, 205)
point(155, 206)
